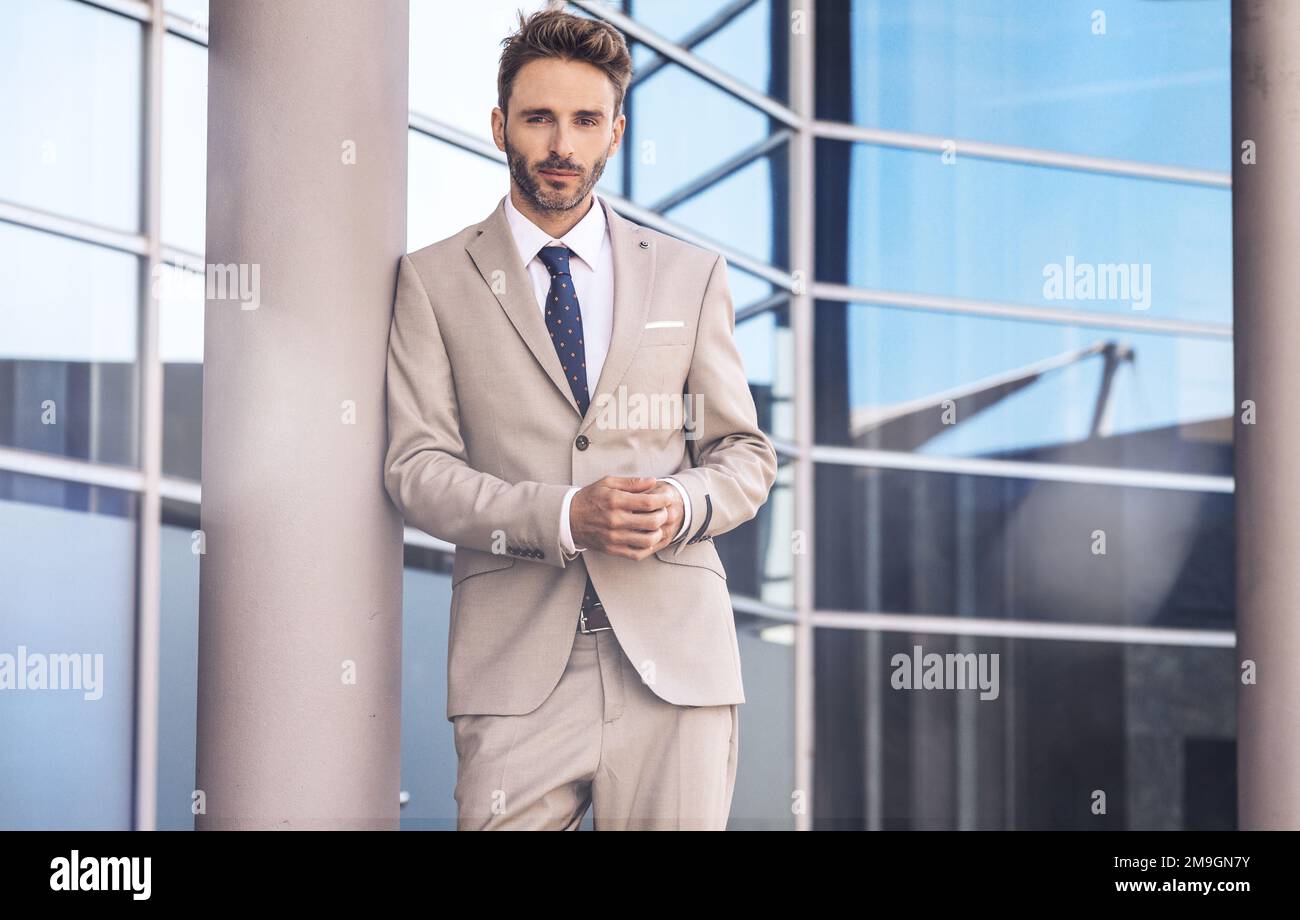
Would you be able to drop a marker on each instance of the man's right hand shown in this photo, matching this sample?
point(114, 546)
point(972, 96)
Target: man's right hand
point(612, 513)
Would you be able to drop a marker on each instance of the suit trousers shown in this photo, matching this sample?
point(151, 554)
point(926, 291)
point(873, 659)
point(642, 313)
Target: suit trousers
point(601, 739)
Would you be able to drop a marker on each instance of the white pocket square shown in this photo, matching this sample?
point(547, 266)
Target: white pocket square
point(665, 324)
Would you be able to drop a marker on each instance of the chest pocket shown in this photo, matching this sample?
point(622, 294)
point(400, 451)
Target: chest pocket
point(657, 333)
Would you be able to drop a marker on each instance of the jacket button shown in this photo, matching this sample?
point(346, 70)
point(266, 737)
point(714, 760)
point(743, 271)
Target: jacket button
point(582, 442)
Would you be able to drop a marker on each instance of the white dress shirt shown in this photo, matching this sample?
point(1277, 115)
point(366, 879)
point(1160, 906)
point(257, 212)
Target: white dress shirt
point(593, 283)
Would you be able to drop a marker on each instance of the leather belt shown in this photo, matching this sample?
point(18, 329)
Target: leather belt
point(591, 618)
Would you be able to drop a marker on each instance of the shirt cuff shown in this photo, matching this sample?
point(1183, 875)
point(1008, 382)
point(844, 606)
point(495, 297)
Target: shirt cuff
point(566, 536)
point(686, 506)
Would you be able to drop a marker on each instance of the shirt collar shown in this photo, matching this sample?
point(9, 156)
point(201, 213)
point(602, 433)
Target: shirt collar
point(585, 238)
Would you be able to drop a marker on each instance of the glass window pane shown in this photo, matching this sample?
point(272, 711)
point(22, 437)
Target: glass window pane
point(765, 740)
point(1151, 727)
point(468, 63)
point(196, 11)
point(758, 555)
point(997, 231)
point(180, 313)
point(67, 563)
point(185, 143)
point(745, 210)
point(742, 40)
point(766, 347)
point(1141, 81)
point(68, 359)
point(71, 108)
point(669, 143)
point(448, 189)
point(428, 749)
point(947, 544)
point(178, 663)
point(957, 385)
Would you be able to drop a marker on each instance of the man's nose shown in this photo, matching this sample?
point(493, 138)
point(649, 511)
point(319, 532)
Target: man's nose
point(561, 145)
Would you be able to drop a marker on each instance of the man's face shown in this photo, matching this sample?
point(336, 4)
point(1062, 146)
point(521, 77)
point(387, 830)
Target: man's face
point(560, 131)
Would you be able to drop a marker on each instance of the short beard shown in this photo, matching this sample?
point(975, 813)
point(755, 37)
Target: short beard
point(533, 191)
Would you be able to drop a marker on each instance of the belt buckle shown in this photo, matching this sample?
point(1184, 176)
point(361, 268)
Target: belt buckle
point(582, 622)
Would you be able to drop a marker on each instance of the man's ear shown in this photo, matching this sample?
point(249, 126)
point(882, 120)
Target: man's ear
point(500, 142)
point(620, 124)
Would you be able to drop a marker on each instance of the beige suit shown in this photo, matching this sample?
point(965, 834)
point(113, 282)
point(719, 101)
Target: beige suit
point(483, 434)
point(486, 439)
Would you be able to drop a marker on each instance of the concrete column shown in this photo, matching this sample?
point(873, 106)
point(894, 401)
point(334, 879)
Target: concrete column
point(301, 578)
point(1266, 307)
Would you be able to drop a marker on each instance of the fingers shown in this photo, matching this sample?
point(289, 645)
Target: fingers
point(618, 500)
point(631, 514)
point(639, 520)
point(630, 483)
point(634, 544)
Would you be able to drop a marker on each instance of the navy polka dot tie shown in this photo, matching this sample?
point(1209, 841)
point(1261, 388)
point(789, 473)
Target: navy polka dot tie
point(564, 323)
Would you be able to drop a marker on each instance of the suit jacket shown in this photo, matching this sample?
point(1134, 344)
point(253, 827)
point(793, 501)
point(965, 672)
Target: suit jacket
point(485, 439)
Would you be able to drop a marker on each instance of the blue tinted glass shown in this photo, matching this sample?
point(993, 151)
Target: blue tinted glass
point(746, 289)
point(677, 20)
point(1008, 232)
point(178, 675)
point(767, 349)
point(71, 108)
point(958, 545)
point(67, 563)
point(428, 751)
point(1023, 390)
point(1130, 79)
point(681, 127)
point(765, 772)
point(185, 150)
point(758, 554)
point(742, 210)
point(740, 40)
point(68, 351)
point(1152, 726)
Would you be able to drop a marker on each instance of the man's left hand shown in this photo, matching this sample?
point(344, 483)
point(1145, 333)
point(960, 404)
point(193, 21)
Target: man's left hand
point(675, 510)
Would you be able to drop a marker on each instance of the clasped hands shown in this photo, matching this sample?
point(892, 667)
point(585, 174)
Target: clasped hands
point(630, 516)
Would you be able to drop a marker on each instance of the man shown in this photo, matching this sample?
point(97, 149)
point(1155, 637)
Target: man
point(592, 648)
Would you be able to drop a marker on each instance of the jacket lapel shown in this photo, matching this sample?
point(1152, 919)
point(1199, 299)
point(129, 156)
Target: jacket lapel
point(494, 254)
point(634, 273)
point(493, 250)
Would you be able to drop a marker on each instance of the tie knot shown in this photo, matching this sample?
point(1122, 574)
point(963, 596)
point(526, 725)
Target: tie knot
point(556, 258)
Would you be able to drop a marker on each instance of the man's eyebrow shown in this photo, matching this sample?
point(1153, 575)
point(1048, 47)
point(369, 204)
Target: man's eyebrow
point(587, 113)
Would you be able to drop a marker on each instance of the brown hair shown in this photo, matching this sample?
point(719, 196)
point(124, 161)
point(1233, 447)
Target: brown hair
point(553, 33)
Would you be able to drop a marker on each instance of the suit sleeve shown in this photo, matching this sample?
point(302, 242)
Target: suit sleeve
point(426, 471)
point(733, 462)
